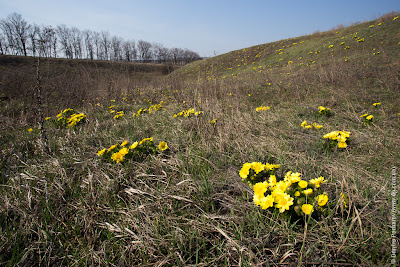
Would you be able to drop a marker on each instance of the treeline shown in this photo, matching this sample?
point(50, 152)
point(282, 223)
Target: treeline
point(18, 37)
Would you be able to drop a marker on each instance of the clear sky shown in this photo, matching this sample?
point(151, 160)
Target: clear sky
point(206, 26)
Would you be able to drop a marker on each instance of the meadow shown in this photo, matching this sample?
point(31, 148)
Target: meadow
point(153, 168)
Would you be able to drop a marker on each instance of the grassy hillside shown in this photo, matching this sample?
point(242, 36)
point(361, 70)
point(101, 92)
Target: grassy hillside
point(187, 204)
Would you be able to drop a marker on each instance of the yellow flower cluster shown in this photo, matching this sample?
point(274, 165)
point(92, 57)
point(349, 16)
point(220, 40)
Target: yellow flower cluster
point(119, 114)
point(376, 104)
point(324, 111)
point(69, 118)
point(75, 118)
point(149, 110)
point(137, 150)
point(291, 191)
point(338, 138)
point(255, 172)
point(111, 108)
point(262, 108)
point(367, 118)
point(305, 125)
point(188, 113)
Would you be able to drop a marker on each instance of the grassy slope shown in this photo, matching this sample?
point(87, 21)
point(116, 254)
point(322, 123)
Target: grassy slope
point(189, 206)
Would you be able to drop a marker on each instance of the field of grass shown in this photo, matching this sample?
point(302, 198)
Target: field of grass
point(187, 205)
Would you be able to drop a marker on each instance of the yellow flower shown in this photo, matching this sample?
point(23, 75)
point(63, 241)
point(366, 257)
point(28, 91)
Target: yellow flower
point(101, 152)
point(271, 167)
point(284, 202)
point(213, 121)
point(364, 115)
point(307, 208)
point(304, 124)
point(244, 172)
point(317, 181)
point(47, 118)
point(303, 184)
point(134, 145)
point(124, 143)
point(260, 188)
point(342, 145)
point(257, 199)
point(146, 140)
point(162, 146)
point(297, 194)
point(376, 104)
point(369, 117)
point(317, 126)
point(124, 151)
point(344, 199)
point(292, 177)
point(272, 180)
point(30, 130)
point(118, 157)
point(257, 167)
point(308, 192)
point(267, 202)
point(112, 147)
point(322, 199)
point(281, 186)
point(345, 134)
point(261, 108)
point(341, 139)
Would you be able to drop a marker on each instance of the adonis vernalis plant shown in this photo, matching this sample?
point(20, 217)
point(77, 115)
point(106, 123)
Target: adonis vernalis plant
point(262, 108)
point(367, 118)
point(314, 125)
point(324, 111)
point(149, 110)
point(338, 139)
point(290, 194)
point(188, 113)
point(119, 115)
point(69, 118)
point(252, 173)
point(137, 150)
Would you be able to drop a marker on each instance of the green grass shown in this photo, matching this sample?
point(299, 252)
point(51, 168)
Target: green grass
point(188, 205)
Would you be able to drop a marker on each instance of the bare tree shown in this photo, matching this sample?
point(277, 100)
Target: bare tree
point(33, 36)
point(160, 52)
point(76, 40)
point(129, 50)
point(144, 49)
point(105, 45)
point(48, 39)
point(16, 30)
point(64, 36)
point(18, 37)
point(189, 56)
point(3, 44)
point(97, 43)
point(88, 41)
point(116, 46)
point(176, 55)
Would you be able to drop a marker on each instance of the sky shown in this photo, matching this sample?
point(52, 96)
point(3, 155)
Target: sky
point(208, 27)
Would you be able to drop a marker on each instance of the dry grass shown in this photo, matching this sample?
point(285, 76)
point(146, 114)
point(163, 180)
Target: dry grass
point(188, 206)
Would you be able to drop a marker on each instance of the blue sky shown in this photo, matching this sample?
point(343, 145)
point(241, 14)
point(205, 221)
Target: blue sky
point(208, 26)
